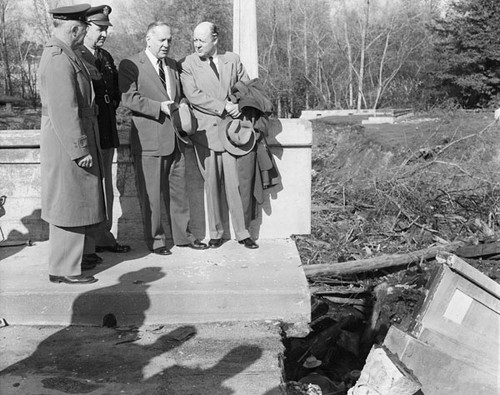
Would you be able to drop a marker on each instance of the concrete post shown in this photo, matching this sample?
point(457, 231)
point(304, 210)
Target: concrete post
point(245, 35)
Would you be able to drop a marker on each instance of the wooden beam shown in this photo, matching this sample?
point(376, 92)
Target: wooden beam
point(378, 262)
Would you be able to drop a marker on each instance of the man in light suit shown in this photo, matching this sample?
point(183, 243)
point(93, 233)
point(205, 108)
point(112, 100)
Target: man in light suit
point(207, 78)
point(150, 86)
point(71, 167)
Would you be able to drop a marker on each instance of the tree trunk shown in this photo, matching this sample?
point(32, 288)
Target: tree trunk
point(4, 50)
point(364, 30)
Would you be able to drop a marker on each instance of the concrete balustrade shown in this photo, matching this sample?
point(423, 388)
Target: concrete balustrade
point(286, 209)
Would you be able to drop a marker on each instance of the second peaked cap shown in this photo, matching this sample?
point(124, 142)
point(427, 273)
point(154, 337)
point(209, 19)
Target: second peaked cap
point(99, 15)
point(75, 12)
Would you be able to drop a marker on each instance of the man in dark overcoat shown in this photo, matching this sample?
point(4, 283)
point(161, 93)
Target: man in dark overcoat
point(71, 168)
point(104, 75)
point(150, 86)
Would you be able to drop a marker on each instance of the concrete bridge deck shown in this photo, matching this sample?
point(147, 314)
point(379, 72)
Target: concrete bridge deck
point(226, 284)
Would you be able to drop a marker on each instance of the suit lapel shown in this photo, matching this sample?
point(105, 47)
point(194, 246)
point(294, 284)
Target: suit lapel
point(224, 73)
point(151, 73)
point(209, 75)
point(170, 74)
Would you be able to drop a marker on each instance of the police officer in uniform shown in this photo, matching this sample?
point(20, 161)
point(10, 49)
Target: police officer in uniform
point(71, 165)
point(104, 75)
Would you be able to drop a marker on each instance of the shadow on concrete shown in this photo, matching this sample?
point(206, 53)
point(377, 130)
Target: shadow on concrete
point(16, 241)
point(83, 359)
point(131, 222)
point(272, 178)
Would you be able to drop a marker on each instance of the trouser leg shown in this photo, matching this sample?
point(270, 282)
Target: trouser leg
point(233, 196)
point(104, 236)
point(148, 171)
point(210, 163)
point(66, 250)
point(176, 199)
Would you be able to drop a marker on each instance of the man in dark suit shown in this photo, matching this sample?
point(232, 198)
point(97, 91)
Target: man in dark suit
point(104, 75)
point(71, 168)
point(150, 86)
point(208, 77)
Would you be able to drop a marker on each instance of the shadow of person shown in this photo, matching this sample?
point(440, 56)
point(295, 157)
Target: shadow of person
point(181, 380)
point(80, 359)
point(38, 230)
point(127, 300)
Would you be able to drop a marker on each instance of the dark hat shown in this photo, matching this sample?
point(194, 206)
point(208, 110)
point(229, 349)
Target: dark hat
point(183, 121)
point(237, 136)
point(75, 12)
point(99, 15)
point(311, 362)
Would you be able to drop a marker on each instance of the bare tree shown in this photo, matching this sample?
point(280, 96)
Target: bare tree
point(4, 5)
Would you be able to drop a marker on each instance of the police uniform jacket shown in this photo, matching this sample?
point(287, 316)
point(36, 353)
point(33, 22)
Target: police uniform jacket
point(71, 196)
point(104, 76)
point(207, 94)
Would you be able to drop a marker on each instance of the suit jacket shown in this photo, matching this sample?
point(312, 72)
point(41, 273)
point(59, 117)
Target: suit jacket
point(207, 94)
point(104, 75)
point(71, 195)
point(152, 133)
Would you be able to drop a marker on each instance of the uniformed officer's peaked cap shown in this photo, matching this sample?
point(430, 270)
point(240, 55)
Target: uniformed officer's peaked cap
point(99, 15)
point(75, 12)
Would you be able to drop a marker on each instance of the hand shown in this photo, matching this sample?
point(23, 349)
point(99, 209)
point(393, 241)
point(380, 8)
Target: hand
point(232, 109)
point(84, 161)
point(165, 106)
point(497, 114)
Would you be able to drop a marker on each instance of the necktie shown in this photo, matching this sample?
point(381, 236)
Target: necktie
point(161, 73)
point(213, 66)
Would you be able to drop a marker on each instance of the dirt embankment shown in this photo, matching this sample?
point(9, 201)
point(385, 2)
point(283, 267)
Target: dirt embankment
point(390, 189)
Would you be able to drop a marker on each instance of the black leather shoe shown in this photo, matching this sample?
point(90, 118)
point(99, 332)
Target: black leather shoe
point(85, 265)
point(195, 245)
point(118, 248)
point(249, 243)
point(215, 243)
point(162, 251)
point(91, 258)
point(81, 279)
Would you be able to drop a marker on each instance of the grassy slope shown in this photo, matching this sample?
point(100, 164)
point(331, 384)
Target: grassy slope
point(392, 188)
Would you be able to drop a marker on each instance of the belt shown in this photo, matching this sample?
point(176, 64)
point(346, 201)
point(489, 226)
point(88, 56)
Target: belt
point(83, 112)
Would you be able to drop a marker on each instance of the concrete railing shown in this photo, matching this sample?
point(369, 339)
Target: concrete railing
point(285, 211)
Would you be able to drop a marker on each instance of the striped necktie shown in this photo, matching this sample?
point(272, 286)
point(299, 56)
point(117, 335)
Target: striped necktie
point(161, 73)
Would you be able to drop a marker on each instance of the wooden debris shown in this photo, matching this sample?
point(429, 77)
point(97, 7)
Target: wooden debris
point(480, 250)
point(379, 262)
point(384, 373)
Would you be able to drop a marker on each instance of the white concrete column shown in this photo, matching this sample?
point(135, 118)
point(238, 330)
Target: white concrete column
point(245, 35)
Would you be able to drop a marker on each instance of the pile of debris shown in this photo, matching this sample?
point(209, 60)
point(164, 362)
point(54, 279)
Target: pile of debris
point(377, 329)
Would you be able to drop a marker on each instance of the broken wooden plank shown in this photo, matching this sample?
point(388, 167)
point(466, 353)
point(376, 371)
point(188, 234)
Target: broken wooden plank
point(384, 373)
point(379, 262)
point(480, 250)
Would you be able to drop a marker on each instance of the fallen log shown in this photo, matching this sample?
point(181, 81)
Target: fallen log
point(378, 262)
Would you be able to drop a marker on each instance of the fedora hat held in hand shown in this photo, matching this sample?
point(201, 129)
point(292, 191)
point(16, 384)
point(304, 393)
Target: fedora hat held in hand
point(237, 136)
point(183, 121)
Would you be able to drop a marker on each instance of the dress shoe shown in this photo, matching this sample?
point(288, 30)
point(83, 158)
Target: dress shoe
point(162, 251)
point(249, 243)
point(118, 248)
point(215, 243)
point(195, 245)
point(92, 258)
point(81, 279)
point(85, 265)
